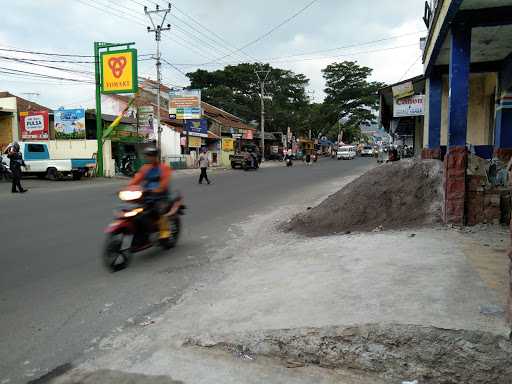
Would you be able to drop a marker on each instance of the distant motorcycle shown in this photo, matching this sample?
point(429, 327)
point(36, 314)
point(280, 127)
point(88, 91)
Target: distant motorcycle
point(5, 171)
point(128, 165)
point(123, 237)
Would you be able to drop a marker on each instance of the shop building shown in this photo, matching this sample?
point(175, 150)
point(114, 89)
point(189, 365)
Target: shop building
point(401, 112)
point(468, 70)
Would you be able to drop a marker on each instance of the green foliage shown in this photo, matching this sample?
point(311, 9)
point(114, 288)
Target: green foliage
point(350, 97)
point(236, 89)
point(69, 136)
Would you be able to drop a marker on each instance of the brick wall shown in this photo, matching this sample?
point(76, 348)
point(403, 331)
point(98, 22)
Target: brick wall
point(455, 185)
point(428, 153)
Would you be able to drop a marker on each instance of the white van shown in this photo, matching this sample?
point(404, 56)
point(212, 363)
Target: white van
point(346, 152)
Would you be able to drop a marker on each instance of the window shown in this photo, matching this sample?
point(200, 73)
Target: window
point(37, 148)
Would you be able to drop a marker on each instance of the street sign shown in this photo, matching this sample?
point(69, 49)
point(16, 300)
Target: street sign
point(185, 104)
point(119, 71)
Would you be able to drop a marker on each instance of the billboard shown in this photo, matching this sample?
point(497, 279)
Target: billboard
point(69, 123)
point(403, 90)
point(198, 127)
point(119, 71)
point(34, 125)
point(194, 142)
point(146, 116)
point(409, 106)
point(228, 145)
point(185, 104)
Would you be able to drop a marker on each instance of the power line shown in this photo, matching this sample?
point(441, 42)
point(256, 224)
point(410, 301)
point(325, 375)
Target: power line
point(408, 69)
point(285, 21)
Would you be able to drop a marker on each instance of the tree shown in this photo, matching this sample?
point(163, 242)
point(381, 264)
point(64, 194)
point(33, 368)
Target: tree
point(236, 89)
point(351, 98)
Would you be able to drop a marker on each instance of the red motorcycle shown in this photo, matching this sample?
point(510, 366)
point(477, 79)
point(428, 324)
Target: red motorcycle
point(124, 236)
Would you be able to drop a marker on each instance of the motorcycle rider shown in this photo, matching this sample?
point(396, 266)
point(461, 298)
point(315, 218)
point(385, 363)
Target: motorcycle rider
point(154, 177)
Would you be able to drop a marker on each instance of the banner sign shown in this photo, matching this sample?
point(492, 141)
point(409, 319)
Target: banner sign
point(197, 127)
point(34, 125)
point(409, 106)
point(248, 135)
point(228, 145)
point(146, 123)
point(403, 90)
point(69, 123)
point(185, 104)
point(194, 142)
point(119, 71)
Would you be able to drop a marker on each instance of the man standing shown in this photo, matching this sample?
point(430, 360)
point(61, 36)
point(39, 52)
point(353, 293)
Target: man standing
point(204, 162)
point(16, 162)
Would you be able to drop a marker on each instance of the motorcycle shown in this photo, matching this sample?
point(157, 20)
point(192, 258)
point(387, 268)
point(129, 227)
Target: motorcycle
point(289, 162)
point(5, 171)
point(123, 237)
point(127, 165)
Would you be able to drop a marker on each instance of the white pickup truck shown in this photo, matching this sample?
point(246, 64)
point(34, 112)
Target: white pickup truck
point(39, 163)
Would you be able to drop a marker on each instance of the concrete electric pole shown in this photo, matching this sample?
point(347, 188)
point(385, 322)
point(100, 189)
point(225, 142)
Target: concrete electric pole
point(262, 77)
point(157, 29)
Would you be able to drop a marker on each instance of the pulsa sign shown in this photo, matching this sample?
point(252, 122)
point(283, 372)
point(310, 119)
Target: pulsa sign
point(409, 106)
point(34, 125)
point(119, 71)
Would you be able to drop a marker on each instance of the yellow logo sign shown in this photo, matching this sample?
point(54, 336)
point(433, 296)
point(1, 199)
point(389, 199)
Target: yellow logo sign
point(119, 71)
point(228, 145)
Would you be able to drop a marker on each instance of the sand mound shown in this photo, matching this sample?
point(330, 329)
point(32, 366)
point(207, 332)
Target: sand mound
point(403, 194)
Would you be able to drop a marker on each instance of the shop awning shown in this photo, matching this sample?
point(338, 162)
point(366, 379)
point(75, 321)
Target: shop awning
point(213, 136)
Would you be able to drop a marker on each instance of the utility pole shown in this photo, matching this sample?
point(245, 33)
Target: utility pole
point(157, 29)
point(262, 77)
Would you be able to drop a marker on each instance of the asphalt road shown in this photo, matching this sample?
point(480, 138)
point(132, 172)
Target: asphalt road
point(56, 300)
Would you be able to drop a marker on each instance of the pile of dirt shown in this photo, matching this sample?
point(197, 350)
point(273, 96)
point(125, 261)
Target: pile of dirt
point(402, 194)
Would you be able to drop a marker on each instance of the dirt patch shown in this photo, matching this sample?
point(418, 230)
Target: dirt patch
point(396, 195)
point(395, 352)
point(106, 376)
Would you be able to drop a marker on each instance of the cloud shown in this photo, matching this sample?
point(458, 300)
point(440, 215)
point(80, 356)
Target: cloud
point(72, 26)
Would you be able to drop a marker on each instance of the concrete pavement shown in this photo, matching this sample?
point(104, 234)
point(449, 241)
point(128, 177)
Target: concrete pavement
point(57, 302)
point(265, 287)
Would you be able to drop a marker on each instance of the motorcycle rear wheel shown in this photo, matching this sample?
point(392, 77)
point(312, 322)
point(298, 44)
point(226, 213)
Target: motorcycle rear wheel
point(115, 258)
point(175, 229)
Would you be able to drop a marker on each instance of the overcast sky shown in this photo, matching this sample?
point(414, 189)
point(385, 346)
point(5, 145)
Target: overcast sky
point(71, 27)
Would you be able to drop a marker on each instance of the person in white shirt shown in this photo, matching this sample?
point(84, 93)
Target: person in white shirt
point(204, 163)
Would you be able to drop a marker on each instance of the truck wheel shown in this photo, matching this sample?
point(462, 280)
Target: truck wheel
point(53, 174)
point(77, 175)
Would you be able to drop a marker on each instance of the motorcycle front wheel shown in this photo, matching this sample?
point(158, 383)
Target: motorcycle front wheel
point(114, 257)
point(175, 229)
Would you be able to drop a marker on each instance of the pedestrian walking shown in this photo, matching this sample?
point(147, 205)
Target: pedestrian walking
point(204, 163)
point(15, 164)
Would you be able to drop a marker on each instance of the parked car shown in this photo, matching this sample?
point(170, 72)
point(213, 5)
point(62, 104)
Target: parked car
point(367, 150)
point(39, 163)
point(347, 152)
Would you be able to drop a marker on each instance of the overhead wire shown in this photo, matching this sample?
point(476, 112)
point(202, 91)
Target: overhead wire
point(268, 33)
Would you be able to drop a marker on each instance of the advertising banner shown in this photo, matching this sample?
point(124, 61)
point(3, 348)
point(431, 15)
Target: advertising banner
point(403, 90)
point(197, 127)
point(146, 123)
point(228, 145)
point(69, 123)
point(409, 106)
point(185, 104)
point(194, 142)
point(119, 71)
point(248, 135)
point(34, 125)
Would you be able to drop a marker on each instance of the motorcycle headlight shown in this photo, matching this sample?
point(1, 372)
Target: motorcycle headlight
point(130, 195)
point(133, 212)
